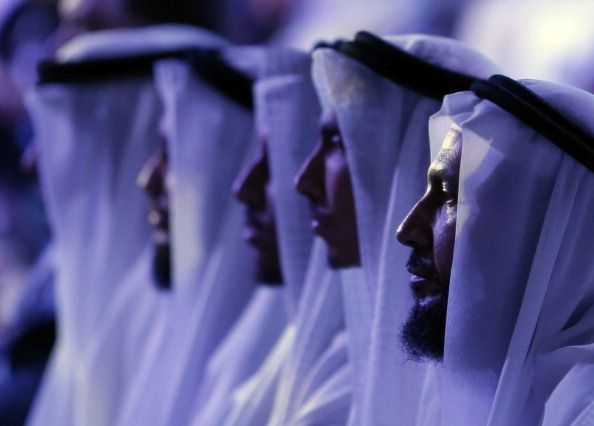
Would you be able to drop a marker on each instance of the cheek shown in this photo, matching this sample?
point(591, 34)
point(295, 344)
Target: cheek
point(269, 212)
point(337, 180)
point(443, 241)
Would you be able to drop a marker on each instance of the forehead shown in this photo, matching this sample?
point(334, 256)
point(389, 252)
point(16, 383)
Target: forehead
point(328, 119)
point(447, 160)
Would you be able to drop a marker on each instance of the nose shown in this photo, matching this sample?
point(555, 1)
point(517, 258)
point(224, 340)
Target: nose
point(416, 229)
point(309, 181)
point(250, 186)
point(151, 178)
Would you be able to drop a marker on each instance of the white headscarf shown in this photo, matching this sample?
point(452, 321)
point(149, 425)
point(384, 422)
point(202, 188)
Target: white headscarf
point(209, 136)
point(384, 128)
point(287, 105)
point(519, 337)
point(94, 138)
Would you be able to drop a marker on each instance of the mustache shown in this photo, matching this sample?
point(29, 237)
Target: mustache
point(421, 266)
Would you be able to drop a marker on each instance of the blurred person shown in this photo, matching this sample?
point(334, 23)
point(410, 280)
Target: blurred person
point(326, 181)
point(96, 112)
point(377, 95)
point(24, 29)
point(253, 21)
point(26, 342)
point(306, 22)
point(209, 130)
point(253, 189)
point(513, 282)
point(24, 37)
point(26, 299)
point(153, 180)
point(27, 325)
point(259, 328)
point(304, 380)
point(80, 16)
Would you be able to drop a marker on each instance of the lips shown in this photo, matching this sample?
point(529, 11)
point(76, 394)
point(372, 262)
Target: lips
point(257, 231)
point(159, 219)
point(424, 280)
point(425, 291)
point(319, 220)
point(158, 215)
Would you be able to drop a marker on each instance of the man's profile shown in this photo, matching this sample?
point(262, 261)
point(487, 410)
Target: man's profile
point(253, 189)
point(153, 180)
point(429, 229)
point(325, 180)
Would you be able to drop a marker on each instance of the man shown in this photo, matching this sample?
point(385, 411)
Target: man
point(80, 16)
point(208, 125)
point(262, 325)
point(294, 384)
point(253, 189)
point(325, 180)
point(97, 215)
point(430, 263)
point(152, 179)
point(27, 309)
point(377, 96)
point(501, 238)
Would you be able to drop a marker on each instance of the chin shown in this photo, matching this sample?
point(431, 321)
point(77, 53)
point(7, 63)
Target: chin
point(269, 277)
point(340, 260)
point(268, 270)
point(423, 334)
point(162, 266)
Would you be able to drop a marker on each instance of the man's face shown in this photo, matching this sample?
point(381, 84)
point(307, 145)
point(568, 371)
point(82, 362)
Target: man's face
point(429, 228)
point(253, 188)
point(152, 179)
point(325, 180)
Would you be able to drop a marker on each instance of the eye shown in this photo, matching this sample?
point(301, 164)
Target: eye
point(336, 139)
point(333, 141)
point(331, 137)
point(450, 196)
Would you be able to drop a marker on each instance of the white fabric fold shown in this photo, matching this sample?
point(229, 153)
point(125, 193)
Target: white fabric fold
point(98, 218)
point(319, 322)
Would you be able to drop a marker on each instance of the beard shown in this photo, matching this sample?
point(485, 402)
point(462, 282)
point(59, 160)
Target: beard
point(268, 269)
point(343, 259)
point(423, 334)
point(269, 277)
point(162, 266)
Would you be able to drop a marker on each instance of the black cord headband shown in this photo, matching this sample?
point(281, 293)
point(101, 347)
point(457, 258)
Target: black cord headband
point(402, 67)
point(536, 113)
point(206, 63)
point(218, 73)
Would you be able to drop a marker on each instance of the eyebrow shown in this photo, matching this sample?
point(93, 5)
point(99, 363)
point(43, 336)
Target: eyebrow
point(328, 127)
point(440, 174)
